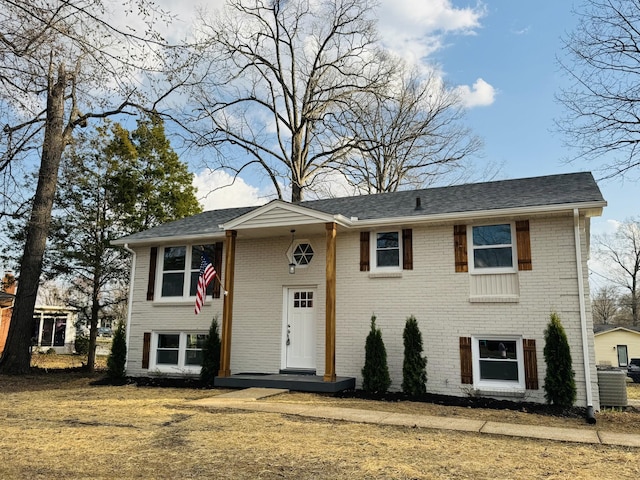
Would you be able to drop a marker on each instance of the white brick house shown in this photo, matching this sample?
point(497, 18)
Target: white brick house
point(481, 266)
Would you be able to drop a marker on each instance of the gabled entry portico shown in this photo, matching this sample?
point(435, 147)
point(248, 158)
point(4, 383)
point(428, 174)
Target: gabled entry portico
point(300, 303)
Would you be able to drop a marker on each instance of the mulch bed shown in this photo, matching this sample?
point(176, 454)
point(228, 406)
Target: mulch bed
point(445, 400)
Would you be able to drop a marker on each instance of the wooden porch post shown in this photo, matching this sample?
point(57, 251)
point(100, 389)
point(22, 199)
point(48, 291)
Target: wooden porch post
point(330, 320)
point(227, 305)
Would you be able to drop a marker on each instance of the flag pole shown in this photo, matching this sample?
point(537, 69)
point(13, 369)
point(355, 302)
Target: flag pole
point(224, 292)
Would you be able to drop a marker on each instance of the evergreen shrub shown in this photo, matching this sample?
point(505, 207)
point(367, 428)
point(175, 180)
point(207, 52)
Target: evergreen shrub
point(118, 356)
point(81, 344)
point(559, 381)
point(414, 374)
point(211, 355)
point(375, 373)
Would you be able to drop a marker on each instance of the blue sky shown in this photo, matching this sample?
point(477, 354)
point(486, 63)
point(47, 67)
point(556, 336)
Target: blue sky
point(515, 51)
point(502, 53)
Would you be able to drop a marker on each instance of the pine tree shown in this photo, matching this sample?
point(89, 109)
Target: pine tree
point(118, 356)
point(414, 374)
point(211, 355)
point(147, 182)
point(375, 373)
point(559, 382)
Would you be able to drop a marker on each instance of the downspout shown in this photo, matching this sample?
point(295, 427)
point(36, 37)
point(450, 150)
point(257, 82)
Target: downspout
point(583, 319)
point(130, 301)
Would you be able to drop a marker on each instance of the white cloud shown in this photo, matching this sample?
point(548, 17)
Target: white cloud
point(602, 225)
point(480, 94)
point(415, 29)
point(217, 189)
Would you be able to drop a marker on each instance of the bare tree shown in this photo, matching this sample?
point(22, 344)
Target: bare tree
point(602, 103)
point(64, 62)
point(620, 254)
point(410, 135)
point(604, 305)
point(276, 74)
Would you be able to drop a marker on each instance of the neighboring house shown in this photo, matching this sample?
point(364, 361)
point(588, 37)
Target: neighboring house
point(616, 345)
point(481, 266)
point(7, 299)
point(54, 328)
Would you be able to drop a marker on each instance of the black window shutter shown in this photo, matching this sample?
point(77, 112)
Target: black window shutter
point(151, 285)
point(407, 249)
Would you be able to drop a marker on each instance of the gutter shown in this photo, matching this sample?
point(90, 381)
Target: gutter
point(130, 301)
point(583, 319)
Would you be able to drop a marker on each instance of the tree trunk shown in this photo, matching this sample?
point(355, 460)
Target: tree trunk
point(16, 358)
point(93, 331)
point(296, 193)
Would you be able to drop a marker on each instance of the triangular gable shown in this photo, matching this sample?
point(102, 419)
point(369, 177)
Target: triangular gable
point(617, 329)
point(278, 213)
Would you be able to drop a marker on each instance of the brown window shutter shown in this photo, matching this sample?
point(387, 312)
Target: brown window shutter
point(151, 286)
point(217, 264)
point(146, 349)
point(407, 249)
point(466, 361)
point(460, 247)
point(364, 251)
point(524, 245)
point(530, 365)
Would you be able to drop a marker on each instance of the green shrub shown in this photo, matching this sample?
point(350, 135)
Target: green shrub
point(559, 382)
point(51, 351)
point(211, 355)
point(375, 373)
point(414, 374)
point(82, 345)
point(118, 356)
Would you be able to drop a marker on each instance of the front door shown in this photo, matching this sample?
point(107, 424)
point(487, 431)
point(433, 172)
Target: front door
point(300, 329)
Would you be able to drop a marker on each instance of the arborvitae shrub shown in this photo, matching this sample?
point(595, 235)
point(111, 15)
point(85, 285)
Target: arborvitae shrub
point(414, 374)
point(211, 355)
point(81, 344)
point(559, 382)
point(118, 356)
point(375, 373)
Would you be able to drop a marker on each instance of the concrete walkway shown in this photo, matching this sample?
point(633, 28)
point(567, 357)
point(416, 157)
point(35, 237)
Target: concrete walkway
point(247, 399)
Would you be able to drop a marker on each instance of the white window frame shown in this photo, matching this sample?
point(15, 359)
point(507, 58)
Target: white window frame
point(498, 385)
point(187, 271)
point(471, 248)
point(373, 252)
point(295, 245)
point(180, 367)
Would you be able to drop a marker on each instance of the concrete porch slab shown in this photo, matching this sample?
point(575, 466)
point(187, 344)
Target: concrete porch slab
point(298, 383)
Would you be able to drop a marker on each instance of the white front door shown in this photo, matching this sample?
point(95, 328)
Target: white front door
point(300, 328)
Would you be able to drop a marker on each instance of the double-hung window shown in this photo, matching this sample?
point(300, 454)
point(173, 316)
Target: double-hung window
point(498, 362)
point(386, 250)
point(177, 351)
point(493, 248)
point(180, 268)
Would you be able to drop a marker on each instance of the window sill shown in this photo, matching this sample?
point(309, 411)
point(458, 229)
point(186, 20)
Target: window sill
point(494, 299)
point(492, 271)
point(515, 392)
point(395, 274)
point(177, 303)
point(160, 371)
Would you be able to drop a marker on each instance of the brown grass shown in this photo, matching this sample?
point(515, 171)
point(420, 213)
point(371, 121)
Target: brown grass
point(59, 426)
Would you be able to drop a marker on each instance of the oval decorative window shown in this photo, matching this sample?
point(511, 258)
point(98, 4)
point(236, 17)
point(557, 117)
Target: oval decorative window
point(302, 254)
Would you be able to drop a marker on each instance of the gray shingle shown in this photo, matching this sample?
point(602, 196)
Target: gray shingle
point(552, 190)
point(524, 192)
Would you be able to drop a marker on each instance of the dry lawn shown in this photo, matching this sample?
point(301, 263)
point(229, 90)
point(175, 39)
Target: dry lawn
point(59, 426)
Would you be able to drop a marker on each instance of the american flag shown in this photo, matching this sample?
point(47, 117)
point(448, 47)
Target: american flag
point(207, 273)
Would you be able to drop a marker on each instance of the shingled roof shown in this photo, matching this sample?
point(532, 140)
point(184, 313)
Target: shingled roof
point(505, 194)
point(548, 191)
